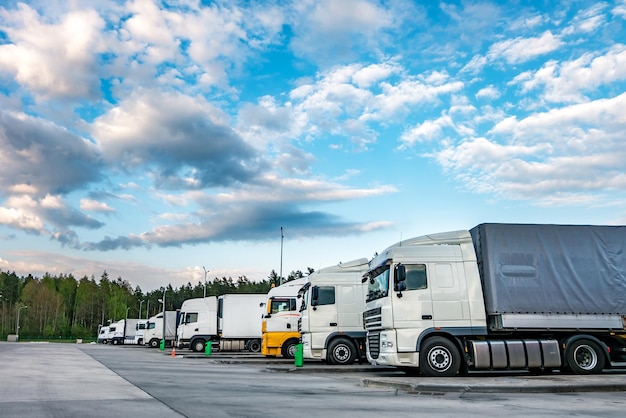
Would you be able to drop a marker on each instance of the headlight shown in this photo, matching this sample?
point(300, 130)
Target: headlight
point(386, 344)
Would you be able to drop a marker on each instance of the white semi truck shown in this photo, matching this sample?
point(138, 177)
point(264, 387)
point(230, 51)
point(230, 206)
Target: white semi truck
point(153, 333)
point(123, 331)
point(231, 322)
point(500, 297)
point(331, 326)
point(140, 329)
point(280, 323)
point(103, 334)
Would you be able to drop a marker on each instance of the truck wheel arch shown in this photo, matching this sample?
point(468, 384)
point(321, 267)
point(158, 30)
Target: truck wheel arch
point(357, 338)
point(254, 345)
point(196, 343)
point(574, 340)
point(288, 348)
point(440, 356)
point(342, 351)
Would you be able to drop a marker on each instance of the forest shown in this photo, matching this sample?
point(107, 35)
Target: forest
point(63, 307)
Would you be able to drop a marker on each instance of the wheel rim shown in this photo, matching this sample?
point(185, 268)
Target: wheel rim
point(341, 353)
point(440, 359)
point(292, 350)
point(586, 357)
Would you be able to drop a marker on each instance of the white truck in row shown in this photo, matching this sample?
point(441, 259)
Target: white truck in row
point(279, 328)
point(140, 329)
point(500, 297)
point(154, 332)
point(231, 322)
point(122, 332)
point(331, 326)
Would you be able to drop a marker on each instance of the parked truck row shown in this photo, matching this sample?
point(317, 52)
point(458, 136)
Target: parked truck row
point(495, 297)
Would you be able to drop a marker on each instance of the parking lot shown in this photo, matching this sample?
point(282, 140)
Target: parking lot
point(54, 380)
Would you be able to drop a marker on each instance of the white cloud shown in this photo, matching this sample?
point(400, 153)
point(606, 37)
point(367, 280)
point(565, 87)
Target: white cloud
point(569, 80)
point(519, 50)
point(372, 74)
point(53, 60)
point(95, 206)
point(576, 151)
point(329, 29)
point(426, 131)
point(489, 92)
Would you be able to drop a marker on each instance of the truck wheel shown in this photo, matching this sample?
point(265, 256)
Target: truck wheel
point(584, 357)
point(288, 350)
point(198, 345)
point(341, 352)
point(254, 346)
point(154, 343)
point(439, 357)
point(115, 342)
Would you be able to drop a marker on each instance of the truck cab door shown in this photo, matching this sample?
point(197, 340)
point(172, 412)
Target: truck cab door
point(283, 315)
point(322, 314)
point(412, 305)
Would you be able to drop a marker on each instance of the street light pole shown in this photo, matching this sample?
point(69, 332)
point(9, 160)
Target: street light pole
point(163, 301)
point(17, 326)
point(140, 303)
point(205, 272)
point(280, 279)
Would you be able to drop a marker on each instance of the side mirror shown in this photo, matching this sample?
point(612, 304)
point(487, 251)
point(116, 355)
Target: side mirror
point(315, 292)
point(400, 273)
point(400, 279)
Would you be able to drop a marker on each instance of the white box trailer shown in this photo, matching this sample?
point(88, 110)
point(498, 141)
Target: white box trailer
point(240, 317)
point(232, 324)
point(154, 329)
point(123, 331)
point(331, 326)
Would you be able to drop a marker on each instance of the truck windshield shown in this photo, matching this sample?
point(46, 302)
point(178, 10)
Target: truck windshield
point(378, 284)
point(303, 294)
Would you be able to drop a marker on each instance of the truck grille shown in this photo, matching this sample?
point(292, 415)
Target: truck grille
point(373, 343)
point(372, 319)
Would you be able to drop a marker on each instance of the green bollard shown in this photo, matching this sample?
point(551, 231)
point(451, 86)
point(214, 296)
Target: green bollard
point(207, 348)
point(299, 355)
point(162, 345)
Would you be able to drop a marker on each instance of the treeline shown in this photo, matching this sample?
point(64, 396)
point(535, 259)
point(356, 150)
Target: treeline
point(63, 307)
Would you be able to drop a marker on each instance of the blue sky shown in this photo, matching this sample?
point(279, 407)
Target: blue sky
point(150, 139)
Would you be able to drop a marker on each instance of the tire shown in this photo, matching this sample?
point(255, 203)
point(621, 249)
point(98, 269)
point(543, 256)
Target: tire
point(341, 351)
point(288, 350)
point(154, 343)
point(254, 346)
point(584, 357)
point(115, 342)
point(198, 345)
point(439, 357)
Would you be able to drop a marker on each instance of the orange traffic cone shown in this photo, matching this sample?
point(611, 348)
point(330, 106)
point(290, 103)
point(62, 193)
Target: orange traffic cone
point(173, 351)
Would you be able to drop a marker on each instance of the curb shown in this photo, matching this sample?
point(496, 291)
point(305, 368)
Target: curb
point(493, 388)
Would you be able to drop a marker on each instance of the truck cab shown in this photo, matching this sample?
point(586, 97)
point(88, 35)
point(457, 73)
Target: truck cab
point(280, 323)
point(197, 323)
point(331, 326)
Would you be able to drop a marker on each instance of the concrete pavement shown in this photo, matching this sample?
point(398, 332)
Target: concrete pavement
point(478, 382)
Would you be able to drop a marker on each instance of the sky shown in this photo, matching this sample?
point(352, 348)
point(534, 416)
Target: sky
point(166, 142)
